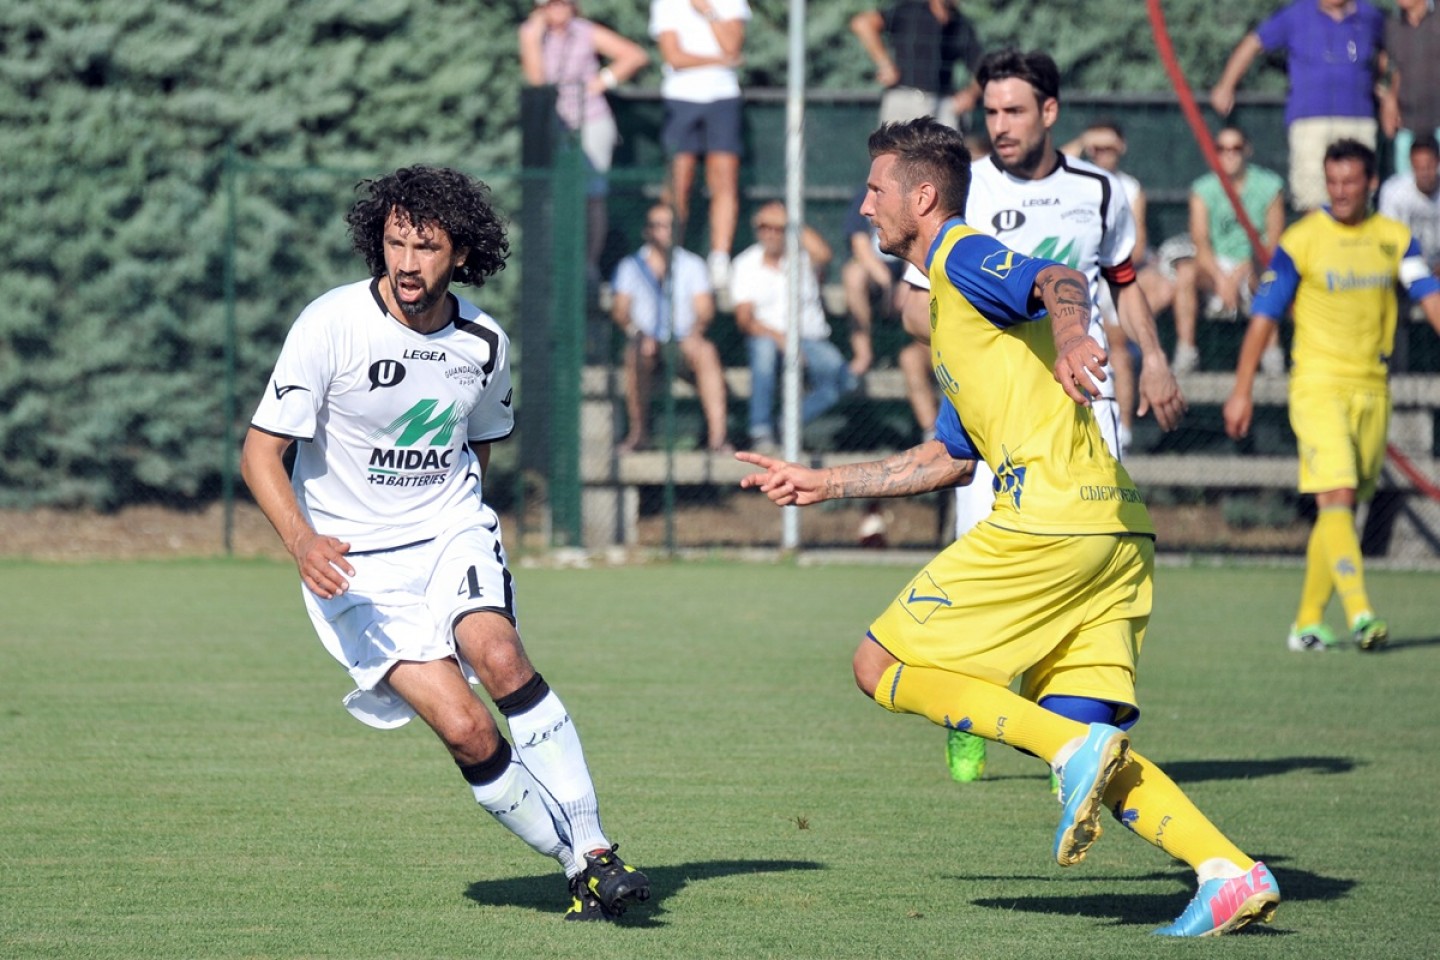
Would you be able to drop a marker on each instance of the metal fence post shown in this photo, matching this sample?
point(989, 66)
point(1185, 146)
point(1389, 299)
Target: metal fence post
point(567, 274)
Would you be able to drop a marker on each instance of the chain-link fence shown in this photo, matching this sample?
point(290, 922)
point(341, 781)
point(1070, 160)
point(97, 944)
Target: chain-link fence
point(569, 478)
point(1209, 492)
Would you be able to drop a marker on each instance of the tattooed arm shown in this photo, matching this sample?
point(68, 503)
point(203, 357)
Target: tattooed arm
point(1079, 359)
point(921, 469)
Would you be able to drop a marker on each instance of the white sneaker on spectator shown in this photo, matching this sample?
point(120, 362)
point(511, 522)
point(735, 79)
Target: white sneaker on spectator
point(719, 264)
point(1272, 362)
point(1187, 358)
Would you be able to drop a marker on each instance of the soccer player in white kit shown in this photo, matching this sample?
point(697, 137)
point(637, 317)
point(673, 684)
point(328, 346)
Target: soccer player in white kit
point(394, 389)
point(1037, 200)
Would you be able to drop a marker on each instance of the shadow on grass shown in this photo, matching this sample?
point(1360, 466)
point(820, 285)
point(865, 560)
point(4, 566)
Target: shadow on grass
point(1406, 644)
point(1155, 909)
point(547, 893)
point(1195, 771)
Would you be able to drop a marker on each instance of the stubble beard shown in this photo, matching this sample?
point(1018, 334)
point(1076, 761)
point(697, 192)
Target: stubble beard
point(904, 238)
point(1027, 163)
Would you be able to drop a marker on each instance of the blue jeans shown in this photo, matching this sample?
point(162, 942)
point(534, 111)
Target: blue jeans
point(827, 378)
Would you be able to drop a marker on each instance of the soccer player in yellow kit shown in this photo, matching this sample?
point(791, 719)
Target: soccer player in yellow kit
point(1054, 587)
point(1338, 266)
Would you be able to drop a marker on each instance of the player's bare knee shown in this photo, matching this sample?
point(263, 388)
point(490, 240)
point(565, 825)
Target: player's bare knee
point(870, 663)
point(468, 733)
point(491, 645)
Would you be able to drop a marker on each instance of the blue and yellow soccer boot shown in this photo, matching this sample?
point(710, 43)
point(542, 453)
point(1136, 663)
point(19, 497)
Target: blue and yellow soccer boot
point(965, 756)
point(1224, 906)
point(1083, 778)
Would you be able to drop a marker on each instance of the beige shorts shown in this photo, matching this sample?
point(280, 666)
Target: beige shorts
point(1309, 139)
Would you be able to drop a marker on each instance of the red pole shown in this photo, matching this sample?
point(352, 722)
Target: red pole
point(1198, 128)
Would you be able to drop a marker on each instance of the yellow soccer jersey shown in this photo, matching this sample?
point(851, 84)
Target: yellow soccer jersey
point(994, 358)
point(1341, 280)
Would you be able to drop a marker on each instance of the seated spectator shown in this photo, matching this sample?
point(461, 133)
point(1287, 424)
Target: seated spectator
point(870, 277)
point(1413, 197)
point(652, 312)
point(1224, 257)
point(759, 290)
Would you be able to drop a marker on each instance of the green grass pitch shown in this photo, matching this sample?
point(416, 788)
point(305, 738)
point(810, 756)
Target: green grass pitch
point(178, 779)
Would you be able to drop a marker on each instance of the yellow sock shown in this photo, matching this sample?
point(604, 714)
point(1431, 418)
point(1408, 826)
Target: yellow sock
point(1318, 585)
point(1336, 528)
point(1147, 801)
point(976, 706)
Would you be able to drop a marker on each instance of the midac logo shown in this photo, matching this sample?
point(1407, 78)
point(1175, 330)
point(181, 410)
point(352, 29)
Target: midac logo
point(1050, 249)
point(412, 426)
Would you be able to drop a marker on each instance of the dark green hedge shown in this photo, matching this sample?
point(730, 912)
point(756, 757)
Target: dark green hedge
point(114, 120)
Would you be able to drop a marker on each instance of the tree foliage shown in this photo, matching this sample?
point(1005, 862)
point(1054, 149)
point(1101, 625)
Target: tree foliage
point(115, 116)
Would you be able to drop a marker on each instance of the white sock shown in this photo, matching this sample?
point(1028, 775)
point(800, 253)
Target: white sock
point(547, 744)
point(1218, 868)
point(518, 802)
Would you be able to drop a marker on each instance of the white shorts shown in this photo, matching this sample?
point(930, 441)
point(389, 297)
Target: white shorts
point(403, 604)
point(975, 500)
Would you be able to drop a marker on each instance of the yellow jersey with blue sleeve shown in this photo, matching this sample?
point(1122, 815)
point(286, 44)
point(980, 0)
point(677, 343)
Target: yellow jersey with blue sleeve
point(1341, 281)
point(993, 357)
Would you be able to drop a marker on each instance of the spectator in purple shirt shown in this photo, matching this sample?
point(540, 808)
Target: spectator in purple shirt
point(1332, 48)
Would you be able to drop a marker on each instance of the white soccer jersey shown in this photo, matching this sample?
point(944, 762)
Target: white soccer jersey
point(385, 416)
point(1079, 216)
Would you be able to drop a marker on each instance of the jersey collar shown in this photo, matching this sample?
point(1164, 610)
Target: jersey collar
point(940, 238)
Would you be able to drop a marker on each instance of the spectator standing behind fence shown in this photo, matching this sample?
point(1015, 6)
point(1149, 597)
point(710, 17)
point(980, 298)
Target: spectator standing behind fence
point(1413, 197)
point(1224, 267)
point(872, 276)
point(563, 49)
point(700, 43)
point(1410, 95)
point(651, 312)
point(395, 389)
point(761, 295)
point(915, 45)
point(1338, 267)
point(1332, 49)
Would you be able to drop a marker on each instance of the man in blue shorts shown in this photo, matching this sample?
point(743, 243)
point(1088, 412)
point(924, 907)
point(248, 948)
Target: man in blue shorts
point(700, 43)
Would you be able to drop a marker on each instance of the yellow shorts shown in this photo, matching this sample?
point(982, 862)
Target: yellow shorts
point(1341, 430)
point(1068, 614)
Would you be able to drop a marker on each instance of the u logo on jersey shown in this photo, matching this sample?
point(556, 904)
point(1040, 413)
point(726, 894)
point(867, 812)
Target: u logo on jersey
point(386, 373)
point(1007, 220)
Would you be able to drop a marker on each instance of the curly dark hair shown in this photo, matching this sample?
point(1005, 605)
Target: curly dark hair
point(428, 197)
